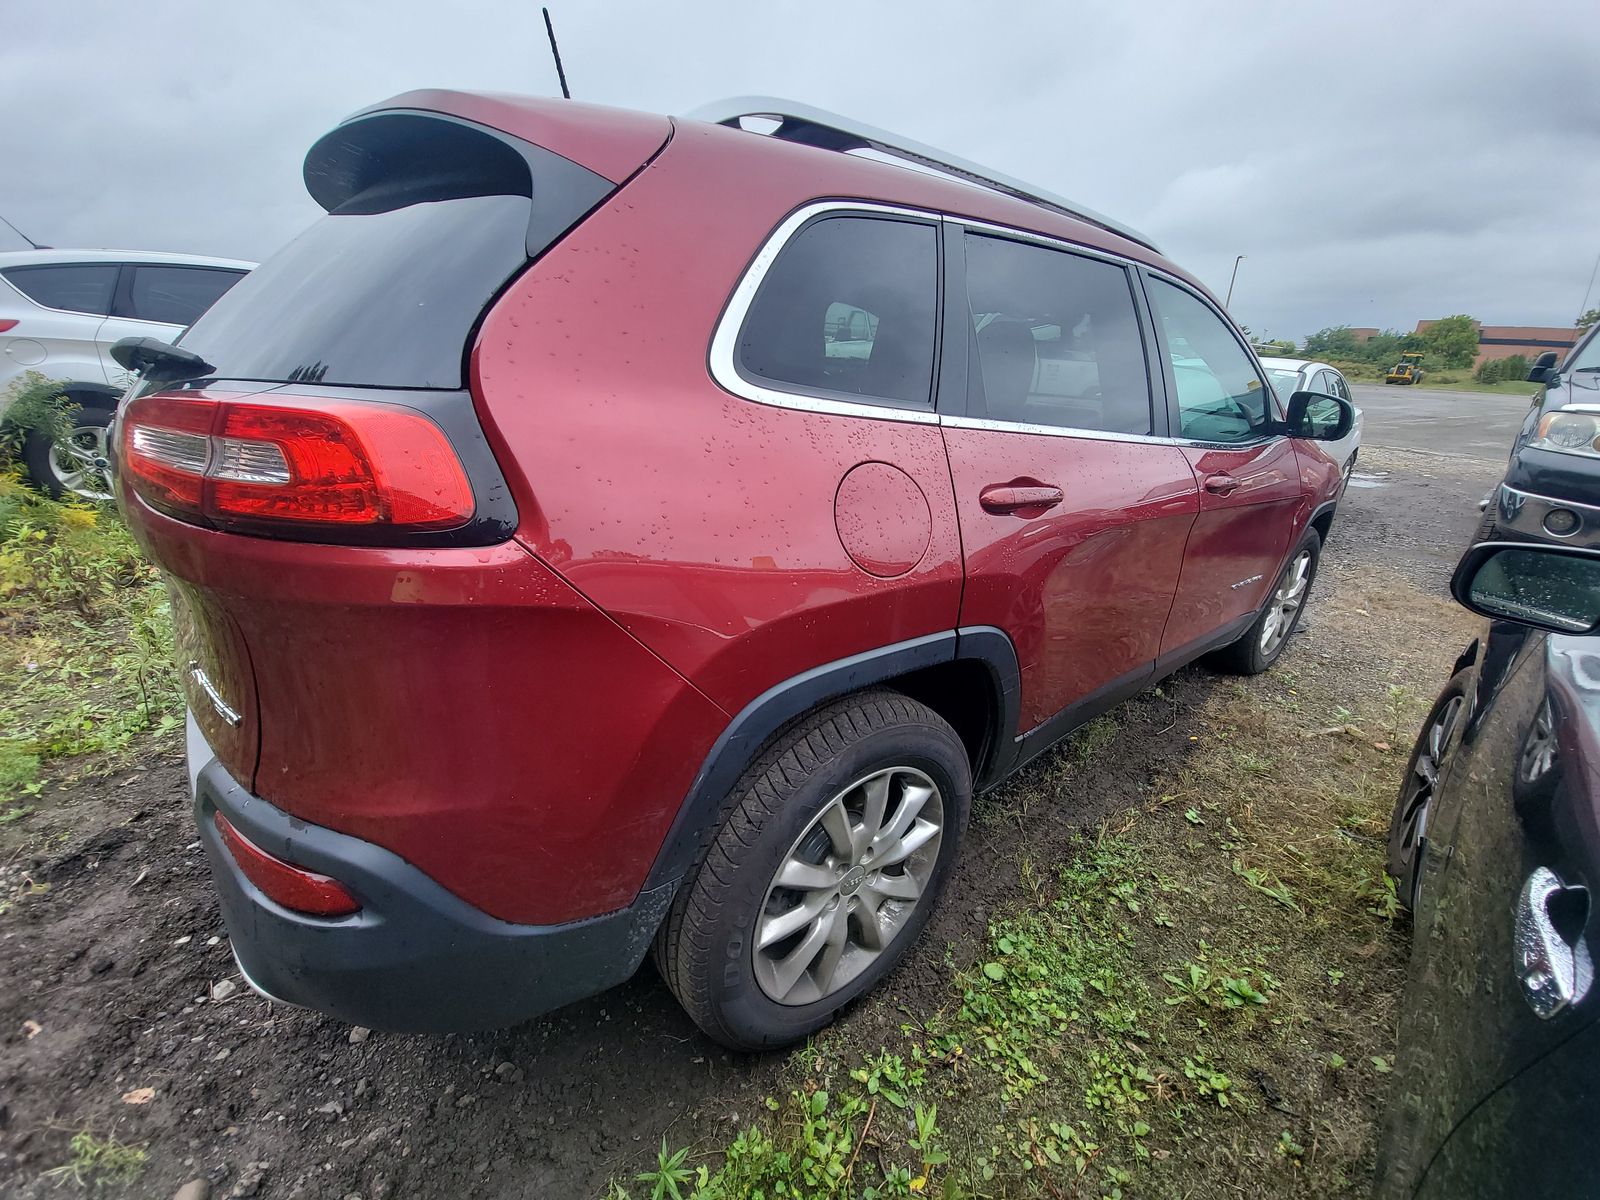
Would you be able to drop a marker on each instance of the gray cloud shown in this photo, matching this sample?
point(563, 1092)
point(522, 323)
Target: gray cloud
point(1376, 164)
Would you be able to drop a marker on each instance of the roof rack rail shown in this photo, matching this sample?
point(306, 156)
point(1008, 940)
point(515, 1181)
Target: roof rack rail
point(810, 126)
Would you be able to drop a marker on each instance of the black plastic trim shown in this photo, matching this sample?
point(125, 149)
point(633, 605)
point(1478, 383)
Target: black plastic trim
point(416, 958)
point(764, 716)
point(993, 648)
point(1046, 734)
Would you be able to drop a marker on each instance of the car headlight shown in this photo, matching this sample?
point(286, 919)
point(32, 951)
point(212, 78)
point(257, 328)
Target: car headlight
point(1569, 432)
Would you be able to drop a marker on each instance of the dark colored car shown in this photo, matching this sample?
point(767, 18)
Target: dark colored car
point(1496, 846)
point(602, 531)
point(1551, 490)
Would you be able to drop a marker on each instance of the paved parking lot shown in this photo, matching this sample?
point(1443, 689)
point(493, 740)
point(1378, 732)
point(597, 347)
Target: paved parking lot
point(1477, 424)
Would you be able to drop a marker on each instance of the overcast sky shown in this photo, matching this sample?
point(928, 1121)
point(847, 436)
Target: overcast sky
point(1376, 162)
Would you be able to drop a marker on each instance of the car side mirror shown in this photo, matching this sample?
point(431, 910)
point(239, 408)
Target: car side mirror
point(1548, 587)
point(1544, 368)
point(1319, 417)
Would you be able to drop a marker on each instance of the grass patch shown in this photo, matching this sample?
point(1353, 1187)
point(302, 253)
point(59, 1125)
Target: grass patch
point(96, 1162)
point(1202, 991)
point(86, 662)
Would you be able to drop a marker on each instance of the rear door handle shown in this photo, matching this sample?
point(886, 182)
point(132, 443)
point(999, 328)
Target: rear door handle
point(1555, 974)
point(1221, 484)
point(1025, 498)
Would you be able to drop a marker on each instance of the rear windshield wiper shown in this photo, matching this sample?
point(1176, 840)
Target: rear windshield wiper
point(158, 361)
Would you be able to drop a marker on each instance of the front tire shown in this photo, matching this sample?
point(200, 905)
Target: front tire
point(1413, 808)
point(1261, 644)
point(830, 860)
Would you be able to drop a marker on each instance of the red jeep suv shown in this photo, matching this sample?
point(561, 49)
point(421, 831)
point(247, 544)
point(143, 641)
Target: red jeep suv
point(604, 534)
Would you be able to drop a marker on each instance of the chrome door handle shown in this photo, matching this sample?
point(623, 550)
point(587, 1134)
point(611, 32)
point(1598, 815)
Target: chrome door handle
point(1221, 484)
point(1555, 974)
point(1020, 497)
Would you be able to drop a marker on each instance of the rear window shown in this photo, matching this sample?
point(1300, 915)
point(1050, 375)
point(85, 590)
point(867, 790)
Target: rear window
point(84, 288)
point(176, 295)
point(428, 218)
point(379, 299)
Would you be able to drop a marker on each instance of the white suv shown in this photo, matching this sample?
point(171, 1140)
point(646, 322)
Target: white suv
point(61, 311)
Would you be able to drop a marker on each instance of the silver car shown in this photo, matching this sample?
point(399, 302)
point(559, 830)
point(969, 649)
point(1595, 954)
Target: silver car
point(1291, 375)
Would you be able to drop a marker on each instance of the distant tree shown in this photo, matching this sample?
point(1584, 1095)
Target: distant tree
point(1451, 342)
point(1589, 319)
point(1336, 341)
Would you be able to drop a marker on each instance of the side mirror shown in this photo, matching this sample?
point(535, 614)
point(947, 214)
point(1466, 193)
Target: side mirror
point(1548, 587)
point(1319, 417)
point(1544, 368)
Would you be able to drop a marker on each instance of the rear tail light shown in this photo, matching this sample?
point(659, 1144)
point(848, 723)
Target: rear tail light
point(340, 464)
point(295, 888)
point(7, 324)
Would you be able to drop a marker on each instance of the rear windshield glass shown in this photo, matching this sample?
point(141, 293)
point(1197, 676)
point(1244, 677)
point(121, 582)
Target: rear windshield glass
point(384, 299)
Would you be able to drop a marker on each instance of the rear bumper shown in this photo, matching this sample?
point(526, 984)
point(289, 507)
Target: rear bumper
point(416, 958)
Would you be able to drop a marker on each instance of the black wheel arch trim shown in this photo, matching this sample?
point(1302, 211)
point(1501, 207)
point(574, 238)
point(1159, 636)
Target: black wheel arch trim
point(92, 391)
point(758, 721)
point(1326, 509)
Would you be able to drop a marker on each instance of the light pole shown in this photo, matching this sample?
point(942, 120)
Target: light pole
point(1231, 278)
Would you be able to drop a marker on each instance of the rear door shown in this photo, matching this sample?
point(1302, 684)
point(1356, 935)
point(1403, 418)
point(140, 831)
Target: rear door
point(1226, 418)
point(1074, 509)
point(55, 335)
point(161, 300)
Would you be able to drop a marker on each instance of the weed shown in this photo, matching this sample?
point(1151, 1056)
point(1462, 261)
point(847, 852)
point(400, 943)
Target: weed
point(96, 1161)
point(670, 1177)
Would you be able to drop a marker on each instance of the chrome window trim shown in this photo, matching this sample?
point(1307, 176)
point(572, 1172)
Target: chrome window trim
point(1092, 435)
point(1043, 239)
point(725, 339)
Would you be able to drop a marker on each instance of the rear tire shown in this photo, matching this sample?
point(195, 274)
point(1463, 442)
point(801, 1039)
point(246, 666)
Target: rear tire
point(76, 466)
point(782, 863)
point(1261, 645)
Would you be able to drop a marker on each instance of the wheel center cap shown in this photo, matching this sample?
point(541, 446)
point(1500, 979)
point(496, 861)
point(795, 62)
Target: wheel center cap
point(853, 878)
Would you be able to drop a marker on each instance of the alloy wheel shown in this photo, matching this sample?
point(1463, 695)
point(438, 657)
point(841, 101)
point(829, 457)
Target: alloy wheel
point(1539, 747)
point(1423, 782)
point(848, 885)
point(1285, 603)
point(79, 463)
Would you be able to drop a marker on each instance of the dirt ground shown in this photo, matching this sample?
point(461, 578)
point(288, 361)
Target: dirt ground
point(118, 976)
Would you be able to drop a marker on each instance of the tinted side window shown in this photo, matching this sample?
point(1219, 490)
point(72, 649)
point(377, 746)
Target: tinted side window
point(1340, 389)
point(848, 308)
point(1220, 396)
point(176, 295)
point(82, 288)
point(1055, 339)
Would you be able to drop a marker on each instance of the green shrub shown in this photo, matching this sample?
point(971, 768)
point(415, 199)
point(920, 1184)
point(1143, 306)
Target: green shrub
point(32, 402)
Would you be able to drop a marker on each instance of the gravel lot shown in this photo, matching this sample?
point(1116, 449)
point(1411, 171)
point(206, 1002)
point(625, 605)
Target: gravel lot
point(119, 977)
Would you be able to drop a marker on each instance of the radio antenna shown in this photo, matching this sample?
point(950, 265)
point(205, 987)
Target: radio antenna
point(555, 52)
point(24, 236)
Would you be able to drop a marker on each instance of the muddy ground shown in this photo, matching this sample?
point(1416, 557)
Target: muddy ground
point(118, 977)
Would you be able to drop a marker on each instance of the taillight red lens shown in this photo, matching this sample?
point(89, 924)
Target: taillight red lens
point(166, 450)
point(7, 324)
point(338, 463)
point(296, 888)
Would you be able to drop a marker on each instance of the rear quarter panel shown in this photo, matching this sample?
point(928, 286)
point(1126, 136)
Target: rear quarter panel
point(702, 521)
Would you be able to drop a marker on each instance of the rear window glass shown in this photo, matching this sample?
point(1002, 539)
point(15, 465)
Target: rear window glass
point(84, 288)
point(848, 310)
point(176, 295)
point(382, 299)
